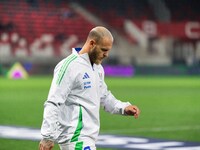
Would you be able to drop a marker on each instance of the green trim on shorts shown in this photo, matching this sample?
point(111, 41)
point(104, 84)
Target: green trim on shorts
point(79, 146)
point(64, 67)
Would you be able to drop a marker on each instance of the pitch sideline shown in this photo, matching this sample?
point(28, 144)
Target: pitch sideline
point(156, 129)
point(105, 140)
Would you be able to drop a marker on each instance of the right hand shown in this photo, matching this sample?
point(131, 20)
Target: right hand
point(46, 144)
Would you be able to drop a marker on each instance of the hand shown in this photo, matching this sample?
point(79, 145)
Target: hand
point(46, 144)
point(132, 110)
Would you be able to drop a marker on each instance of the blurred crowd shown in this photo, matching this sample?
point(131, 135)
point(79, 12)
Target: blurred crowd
point(50, 28)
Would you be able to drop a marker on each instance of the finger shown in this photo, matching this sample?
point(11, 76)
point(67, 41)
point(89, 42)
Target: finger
point(51, 148)
point(132, 112)
point(43, 147)
point(40, 147)
point(137, 110)
point(137, 113)
point(136, 116)
point(46, 148)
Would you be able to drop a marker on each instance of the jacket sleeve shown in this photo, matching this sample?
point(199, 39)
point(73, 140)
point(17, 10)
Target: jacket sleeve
point(59, 90)
point(109, 102)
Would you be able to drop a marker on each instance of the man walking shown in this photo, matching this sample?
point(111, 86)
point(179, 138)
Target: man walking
point(71, 113)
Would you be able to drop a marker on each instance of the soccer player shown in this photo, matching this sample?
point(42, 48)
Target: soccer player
point(71, 112)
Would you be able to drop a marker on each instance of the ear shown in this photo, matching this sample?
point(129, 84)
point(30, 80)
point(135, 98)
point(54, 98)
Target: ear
point(92, 43)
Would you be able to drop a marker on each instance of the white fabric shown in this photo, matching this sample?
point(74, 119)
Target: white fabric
point(72, 146)
point(81, 86)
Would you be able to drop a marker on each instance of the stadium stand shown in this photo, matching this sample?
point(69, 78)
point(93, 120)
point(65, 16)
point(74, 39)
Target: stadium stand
point(151, 23)
point(44, 29)
point(32, 22)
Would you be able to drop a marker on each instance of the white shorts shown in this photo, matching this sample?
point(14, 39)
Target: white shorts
point(76, 146)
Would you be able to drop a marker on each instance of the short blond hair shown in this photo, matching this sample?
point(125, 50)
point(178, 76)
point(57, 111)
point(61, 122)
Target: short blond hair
point(98, 33)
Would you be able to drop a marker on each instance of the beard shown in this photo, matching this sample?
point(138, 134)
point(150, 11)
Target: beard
point(94, 57)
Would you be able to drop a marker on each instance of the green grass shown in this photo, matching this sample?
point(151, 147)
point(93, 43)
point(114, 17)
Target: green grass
point(170, 107)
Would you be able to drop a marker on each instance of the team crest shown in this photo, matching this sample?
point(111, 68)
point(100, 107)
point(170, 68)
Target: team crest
point(100, 75)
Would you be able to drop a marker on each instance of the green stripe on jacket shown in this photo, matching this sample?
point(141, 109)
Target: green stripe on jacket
point(64, 68)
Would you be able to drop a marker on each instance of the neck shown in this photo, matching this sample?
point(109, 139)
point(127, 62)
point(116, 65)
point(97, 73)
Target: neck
point(86, 50)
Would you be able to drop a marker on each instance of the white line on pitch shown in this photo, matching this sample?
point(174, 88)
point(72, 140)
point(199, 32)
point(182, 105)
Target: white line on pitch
point(156, 129)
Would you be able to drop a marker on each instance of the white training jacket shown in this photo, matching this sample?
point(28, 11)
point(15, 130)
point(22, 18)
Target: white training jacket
point(71, 112)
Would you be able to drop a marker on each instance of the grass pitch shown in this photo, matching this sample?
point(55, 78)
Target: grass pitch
point(170, 107)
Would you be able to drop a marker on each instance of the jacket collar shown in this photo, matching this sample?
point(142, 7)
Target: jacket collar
point(85, 56)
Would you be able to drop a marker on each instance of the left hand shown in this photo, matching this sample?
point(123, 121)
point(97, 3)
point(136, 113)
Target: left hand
point(46, 144)
point(132, 110)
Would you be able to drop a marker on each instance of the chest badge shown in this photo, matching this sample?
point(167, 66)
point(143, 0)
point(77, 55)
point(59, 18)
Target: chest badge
point(100, 75)
point(86, 83)
point(86, 76)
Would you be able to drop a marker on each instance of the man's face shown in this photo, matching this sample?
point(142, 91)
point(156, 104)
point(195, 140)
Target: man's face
point(100, 51)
